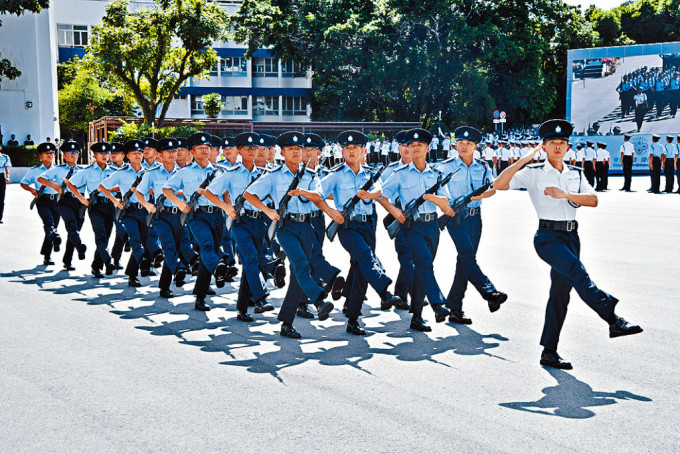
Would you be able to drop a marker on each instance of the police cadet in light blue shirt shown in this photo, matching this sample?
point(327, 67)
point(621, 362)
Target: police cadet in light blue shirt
point(408, 183)
point(99, 206)
point(69, 206)
point(207, 223)
point(124, 181)
point(228, 159)
point(45, 200)
point(465, 227)
point(150, 153)
point(357, 234)
point(116, 163)
point(152, 248)
point(294, 230)
point(655, 153)
point(174, 237)
point(226, 191)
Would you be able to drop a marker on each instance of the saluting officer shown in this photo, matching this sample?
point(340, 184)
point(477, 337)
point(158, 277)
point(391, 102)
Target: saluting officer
point(556, 191)
point(101, 209)
point(46, 202)
point(69, 206)
point(407, 183)
point(119, 243)
point(207, 223)
point(465, 227)
point(134, 216)
point(627, 155)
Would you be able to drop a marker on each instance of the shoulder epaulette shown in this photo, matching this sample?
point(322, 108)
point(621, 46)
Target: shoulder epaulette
point(312, 171)
point(395, 163)
point(36, 166)
point(402, 167)
point(448, 160)
point(570, 167)
point(336, 167)
point(535, 165)
point(273, 168)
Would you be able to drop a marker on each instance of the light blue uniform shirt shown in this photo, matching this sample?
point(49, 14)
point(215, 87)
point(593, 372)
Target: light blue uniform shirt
point(657, 150)
point(235, 180)
point(671, 150)
point(407, 183)
point(57, 174)
point(389, 170)
point(154, 180)
point(31, 178)
point(276, 182)
point(344, 184)
point(89, 178)
point(5, 161)
point(675, 84)
point(189, 178)
point(147, 166)
point(467, 179)
point(123, 178)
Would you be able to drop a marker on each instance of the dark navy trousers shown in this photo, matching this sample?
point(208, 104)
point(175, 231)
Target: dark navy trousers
point(322, 270)
point(174, 239)
point(466, 231)
point(206, 229)
point(49, 214)
point(69, 209)
point(404, 283)
point(135, 226)
point(561, 251)
point(228, 246)
point(101, 218)
point(249, 234)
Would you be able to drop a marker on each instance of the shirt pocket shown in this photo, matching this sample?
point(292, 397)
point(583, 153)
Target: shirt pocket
point(573, 184)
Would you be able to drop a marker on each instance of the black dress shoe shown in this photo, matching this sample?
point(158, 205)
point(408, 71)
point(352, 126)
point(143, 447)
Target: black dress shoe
point(304, 312)
point(69, 267)
point(81, 251)
point(244, 316)
point(354, 328)
point(323, 309)
point(232, 272)
point(147, 272)
point(180, 275)
point(388, 300)
point(110, 267)
point(47, 261)
point(117, 265)
point(263, 306)
point(194, 267)
point(495, 299)
point(126, 247)
point(219, 273)
point(97, 273)
point(336, 287)
point(620, 327)
point(211, 292)
point(418, 324)
point(56, 243)
point(440, 312)
point(457, 316)
point(157, 260)
point(287, 330)
point(280, 276)
point(200, 305)
point(167, 293)
point(134, 282)
point(401, 304)
point(552, 359)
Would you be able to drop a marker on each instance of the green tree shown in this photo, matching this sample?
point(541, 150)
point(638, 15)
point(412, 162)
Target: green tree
point(152, 52)
point(17, 8)
point(212, 105)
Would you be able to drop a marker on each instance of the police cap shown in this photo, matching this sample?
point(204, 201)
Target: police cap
point(228, 142)
point(70, 146)
point(313, 141)
point(150, 142)
point(246, 139)
point(100, 147)
point(181, 142)
point(133, 145)
point(291, 139)
point(117, 147)
point(555, 129)
point(199, 138)
point(46, 147)
point(215, 141)
point(400, 136)
point(266, 140)
point(352, 137)
point(418, 135)
point(168, 144)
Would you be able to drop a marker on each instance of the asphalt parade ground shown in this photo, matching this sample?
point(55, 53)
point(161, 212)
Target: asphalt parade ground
point(92, 365)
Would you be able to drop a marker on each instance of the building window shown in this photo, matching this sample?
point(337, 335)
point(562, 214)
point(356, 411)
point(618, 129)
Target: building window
point(294, 105)
point(197, 105)
point(233, 66)
point(213, 70)
point(72, 35)
point(266, 105)
point(178, 96)
point(235, 105)
point(265, 67)
point(292, 68)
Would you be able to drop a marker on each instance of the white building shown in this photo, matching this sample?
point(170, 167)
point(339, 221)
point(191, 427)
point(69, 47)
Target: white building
point(260, 89)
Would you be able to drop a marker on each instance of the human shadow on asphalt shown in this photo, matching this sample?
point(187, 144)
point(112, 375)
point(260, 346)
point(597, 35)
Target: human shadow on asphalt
point(571, 398)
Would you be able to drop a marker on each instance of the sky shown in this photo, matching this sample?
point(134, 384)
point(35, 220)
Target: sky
point(602, 4)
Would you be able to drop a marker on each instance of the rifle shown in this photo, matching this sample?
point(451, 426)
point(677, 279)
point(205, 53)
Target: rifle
point(393, 225)
point(193, 200)
point(35, 200)
point(156, 214)
point(63, 183)
point(283, 204)
point(88, 208)
point(238, 204)
point(126, 198)
point(333, 227)
point(461, 202)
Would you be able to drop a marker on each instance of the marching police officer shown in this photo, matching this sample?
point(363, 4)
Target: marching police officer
point(556, 192)
point(120, 241)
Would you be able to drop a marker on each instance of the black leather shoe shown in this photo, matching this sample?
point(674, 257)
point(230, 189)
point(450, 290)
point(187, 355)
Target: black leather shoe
point(69, 267)
point(200, 305)
point(157, 260)
point(287, 330)
point(81, 251)
point(620, 327)
point(147, 272)
point(219, 273)
point(323, 309)
point(552, 359)
point(263, 306)
point(336, 288)
point(304, 312)
point(495, 299)
point(211, 292)
point(280, 276)
point(244, 316)
point(167, 293)
point(232, 272)
point(117, 265)
point(354, 328)
point(134, 282)
point(97, 273)
point(109, 268)
point(418, 324)
point(180, 275)
point(457, 316)
point(344, 308)
point(47, 261)
point(56, 243)
point(440, 312)
point(388, 300)
point(126, 247)
point(400, 303)
point(194, 267)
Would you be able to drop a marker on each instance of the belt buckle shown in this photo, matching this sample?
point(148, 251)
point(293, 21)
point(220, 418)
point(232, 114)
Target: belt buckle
point(209, 209)
point(364, 218)
point(571, 225)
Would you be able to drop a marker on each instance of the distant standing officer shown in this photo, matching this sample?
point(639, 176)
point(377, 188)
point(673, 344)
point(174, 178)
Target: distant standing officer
point(655, 153)
point(627, 156)
point(669, 159)
point(5, 164)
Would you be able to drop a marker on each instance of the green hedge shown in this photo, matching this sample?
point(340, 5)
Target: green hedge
point(22, 156)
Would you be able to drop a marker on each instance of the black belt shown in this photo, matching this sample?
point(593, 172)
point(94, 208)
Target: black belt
point(315, 214)
point(136, 205)
point(207, 209)
point(361, 218)
point(297, 217)
point(473, 211)
point(252, 214)
point(427, 217)
point(49, 196)
point(169, 210)
point(99, 199)
point(562, 226)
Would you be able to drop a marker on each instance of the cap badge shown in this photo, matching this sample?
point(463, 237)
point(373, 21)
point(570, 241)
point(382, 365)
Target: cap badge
point(350, 138)
point(295, 138)
point(466, 134)
point(415, 136)
point(558, 129)
point(250, 139)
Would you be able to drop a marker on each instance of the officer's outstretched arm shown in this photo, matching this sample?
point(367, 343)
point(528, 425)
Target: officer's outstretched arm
point(171, 196)
point(257, 203)
point(49, 184)
point(216, 200)
point(503, 181)
point(76, 193)
point(29, 189)
point(394, 211)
